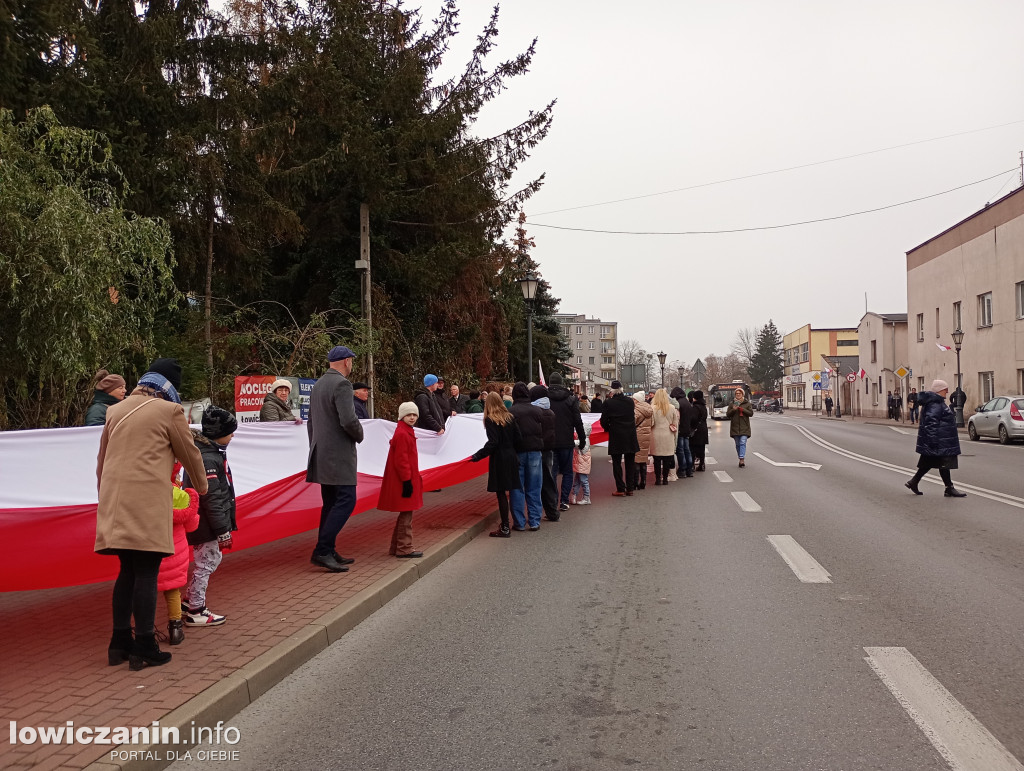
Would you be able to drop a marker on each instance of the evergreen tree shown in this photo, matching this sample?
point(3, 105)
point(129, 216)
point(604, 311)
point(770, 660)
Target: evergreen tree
point(766, 365)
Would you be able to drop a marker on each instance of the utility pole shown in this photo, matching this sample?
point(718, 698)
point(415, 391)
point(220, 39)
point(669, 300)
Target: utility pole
point(363, 264)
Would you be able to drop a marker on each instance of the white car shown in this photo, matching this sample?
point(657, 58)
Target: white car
point(1002, 418)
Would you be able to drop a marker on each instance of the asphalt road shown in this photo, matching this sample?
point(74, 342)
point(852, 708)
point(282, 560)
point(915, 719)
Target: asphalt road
point(665, 631)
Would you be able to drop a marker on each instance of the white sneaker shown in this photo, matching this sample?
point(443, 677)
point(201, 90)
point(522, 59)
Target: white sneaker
point(584, 502)
point(672, 476)
point(572, 499)
point(202, 617)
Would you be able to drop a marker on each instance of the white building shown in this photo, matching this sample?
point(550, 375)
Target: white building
point(593, 349)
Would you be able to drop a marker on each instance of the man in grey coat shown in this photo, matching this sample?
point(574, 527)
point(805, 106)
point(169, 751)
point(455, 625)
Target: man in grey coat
point(334, 430)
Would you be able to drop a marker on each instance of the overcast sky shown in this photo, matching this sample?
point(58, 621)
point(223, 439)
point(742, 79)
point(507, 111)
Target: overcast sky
point(667, 94)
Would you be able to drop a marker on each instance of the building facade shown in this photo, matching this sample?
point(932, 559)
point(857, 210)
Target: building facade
point(593, 346)
point(971, 277)
point(803, 350)
point(883, 345)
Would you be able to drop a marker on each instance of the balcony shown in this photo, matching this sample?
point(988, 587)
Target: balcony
point(607, 367)
point(608, 351)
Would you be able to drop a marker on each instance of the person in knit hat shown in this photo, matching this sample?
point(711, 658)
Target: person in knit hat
point(108, 389)
point(401, 488)
point(938, 442)
point(275, 404)
point(216, 515)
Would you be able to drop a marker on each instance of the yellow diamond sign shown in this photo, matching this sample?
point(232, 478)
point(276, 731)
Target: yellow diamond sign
point(902, 372)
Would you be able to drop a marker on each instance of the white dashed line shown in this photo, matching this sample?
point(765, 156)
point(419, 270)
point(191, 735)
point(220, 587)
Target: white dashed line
point(746, 502)
point(807, 569)
point(710, 461)
point(958, 736)
point(723, 476)
point(903, 431)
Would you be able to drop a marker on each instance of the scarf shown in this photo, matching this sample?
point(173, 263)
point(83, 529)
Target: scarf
point(159, 383)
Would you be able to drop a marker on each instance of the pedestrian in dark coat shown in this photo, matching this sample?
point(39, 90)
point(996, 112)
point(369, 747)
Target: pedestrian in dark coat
point(548, 493)
point(890, 404)
point(334, 430)
point(530, 420)
point(828, 406)
point(503, 436)
point(475, 404)
point(360, 400)
point(431, 418)
point(938, 442)
point(443, 402)
point(699, 438)
point(596, 405)
point(109, 389)
point(684, 452)
point(401, 487)
point(618, 419)
point(569, 432)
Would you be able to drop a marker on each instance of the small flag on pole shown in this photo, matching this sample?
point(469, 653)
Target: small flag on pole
point(942, 347)
point(863, 372)
point(540, 369)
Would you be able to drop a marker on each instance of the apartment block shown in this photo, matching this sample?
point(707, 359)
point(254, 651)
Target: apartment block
point(593, 350)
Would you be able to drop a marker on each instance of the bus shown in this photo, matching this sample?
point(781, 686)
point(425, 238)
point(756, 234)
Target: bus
point(720, 396)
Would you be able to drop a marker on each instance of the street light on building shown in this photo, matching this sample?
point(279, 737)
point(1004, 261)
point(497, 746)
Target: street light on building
point(528, 284)
point(958, 399)
point(661, 360)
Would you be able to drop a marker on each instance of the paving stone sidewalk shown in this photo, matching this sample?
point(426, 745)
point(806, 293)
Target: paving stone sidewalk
point(53, 645)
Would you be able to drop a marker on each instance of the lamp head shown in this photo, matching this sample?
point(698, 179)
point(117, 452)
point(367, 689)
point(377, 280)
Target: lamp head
point(528, 284)
point(958, 337)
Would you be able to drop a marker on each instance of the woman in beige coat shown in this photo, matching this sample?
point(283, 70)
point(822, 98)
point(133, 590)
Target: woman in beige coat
point(644, 416)
point(663, 436)
point(141, 438)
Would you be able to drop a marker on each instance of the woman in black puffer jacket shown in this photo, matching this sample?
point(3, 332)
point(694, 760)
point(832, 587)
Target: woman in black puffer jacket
point(938, 442)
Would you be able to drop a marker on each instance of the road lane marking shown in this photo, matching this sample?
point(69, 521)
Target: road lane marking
point(746, 502)
point(957, 735)
point(903, 431)
point(723, 476)
point(799, 464)
point(807, 569)
point(993, 495)
point(710, 461)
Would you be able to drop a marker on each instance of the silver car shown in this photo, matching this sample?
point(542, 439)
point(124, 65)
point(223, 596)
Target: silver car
point(1003, 418)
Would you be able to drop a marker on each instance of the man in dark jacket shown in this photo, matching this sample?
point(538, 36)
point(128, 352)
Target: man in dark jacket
point(431, 418)
point(568, 431)
point(912, 404)
point(596, 404)
point(334, 430)
point(687, 415)
point(617, 418)
point(548, 491)
point(360, 395)
point(938, 442)
point(530, 419)
point(457, 401)
point(442, 399)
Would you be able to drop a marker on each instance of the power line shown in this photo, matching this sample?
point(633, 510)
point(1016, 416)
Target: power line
point(775, 171)
point(768, 227)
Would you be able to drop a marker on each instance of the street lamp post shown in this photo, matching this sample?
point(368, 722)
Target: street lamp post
point(528, 284)
point(679, 371)
point(958, 408)
point(661, 360)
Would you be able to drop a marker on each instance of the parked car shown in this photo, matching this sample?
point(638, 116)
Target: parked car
point(1002, 418)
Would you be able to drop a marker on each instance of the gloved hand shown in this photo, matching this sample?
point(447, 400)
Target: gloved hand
point(225, 542)
point(583, 444)
point(474, 459)
point(407, 488)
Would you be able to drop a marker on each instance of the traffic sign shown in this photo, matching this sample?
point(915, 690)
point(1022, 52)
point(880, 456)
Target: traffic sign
point(902, 372)
point(851, 378)
point(816, 386)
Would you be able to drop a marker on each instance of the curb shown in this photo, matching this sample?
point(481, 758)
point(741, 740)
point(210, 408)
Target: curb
point(227, 698)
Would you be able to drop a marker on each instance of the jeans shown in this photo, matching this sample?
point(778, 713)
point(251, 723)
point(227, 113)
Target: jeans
point(741, 446)
point(531, 479)
point(581, 484)
point(135, 590)
point(624, 484)
point(913, 414)
point(339, 503)
point(561, 463)
point(684, 455)
point(207, 557)
point(548, 491)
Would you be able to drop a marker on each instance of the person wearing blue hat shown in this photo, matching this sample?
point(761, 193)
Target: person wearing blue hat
point(431, 417)
point(334, 430)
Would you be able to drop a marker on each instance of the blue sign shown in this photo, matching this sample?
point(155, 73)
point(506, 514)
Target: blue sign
point(305, 389)
point(816, 386)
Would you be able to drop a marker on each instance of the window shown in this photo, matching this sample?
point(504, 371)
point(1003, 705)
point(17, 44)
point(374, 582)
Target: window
point(590, 329)
point(985, 309)
point(805, 353)
point(937, 326)
point(606, 331)
point(986, 383)
point(591, 360)
point(1020, 381)
point(579, 345)
point(579, 359)
point(874, 351)
point(957, 318)
point(920, 326)
point(1019, 291)
point(565, 330)
point(920, 384)
point(607, 360)
point(591, 345)
point(849, 343)
point(606, 347)
point(579, 330)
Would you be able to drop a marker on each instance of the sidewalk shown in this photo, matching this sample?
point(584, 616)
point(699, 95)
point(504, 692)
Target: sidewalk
point(281, 612)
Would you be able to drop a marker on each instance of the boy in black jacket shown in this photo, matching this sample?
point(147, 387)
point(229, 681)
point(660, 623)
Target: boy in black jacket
point(216, 515)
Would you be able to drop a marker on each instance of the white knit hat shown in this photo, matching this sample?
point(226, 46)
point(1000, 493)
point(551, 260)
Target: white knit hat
point(408, 408)
point(640, 396)
point(939, 385)
point(280, 383)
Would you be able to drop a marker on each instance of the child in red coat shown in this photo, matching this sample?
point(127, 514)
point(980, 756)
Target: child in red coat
point(173, 573)
point(401, 489)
